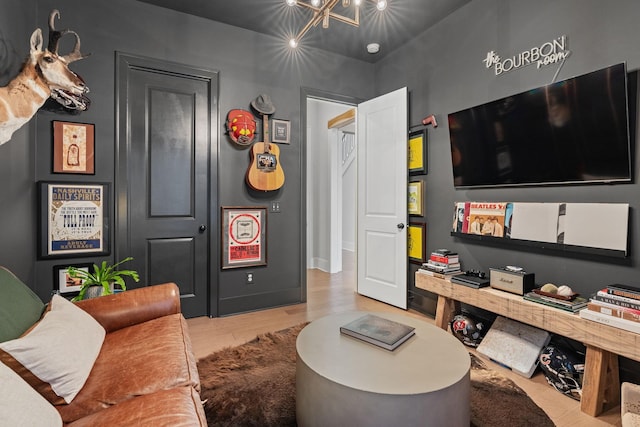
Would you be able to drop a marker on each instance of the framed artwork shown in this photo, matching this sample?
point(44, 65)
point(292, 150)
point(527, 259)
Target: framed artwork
point(416, 242)
point(65, 284)
point(281, 130)
point(74, 219)
point(415, 194)
point(418, 152)
point(73, 148)
point(244, 236)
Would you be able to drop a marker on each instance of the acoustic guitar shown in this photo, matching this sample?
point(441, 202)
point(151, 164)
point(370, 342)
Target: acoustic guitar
point(265, 172)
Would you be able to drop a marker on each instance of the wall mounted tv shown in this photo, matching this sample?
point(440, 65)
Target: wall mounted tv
point(573, 131)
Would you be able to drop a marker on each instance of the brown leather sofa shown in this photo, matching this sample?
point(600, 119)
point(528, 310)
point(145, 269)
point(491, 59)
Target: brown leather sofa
point(145, 373)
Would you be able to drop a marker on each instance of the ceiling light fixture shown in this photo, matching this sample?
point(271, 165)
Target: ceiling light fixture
point(323, 13)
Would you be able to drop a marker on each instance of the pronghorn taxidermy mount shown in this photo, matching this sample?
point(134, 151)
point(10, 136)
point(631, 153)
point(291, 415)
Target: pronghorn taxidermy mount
point(44, 74)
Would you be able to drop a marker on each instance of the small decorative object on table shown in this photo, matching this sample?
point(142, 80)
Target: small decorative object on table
point(572, 305)
point(379, 331)
point(99, 280)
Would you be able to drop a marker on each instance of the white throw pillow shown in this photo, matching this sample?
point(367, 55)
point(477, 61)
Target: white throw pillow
point(21, 405)
point(57, 354)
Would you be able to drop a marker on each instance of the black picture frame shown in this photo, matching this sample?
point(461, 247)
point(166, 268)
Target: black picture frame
point(417, 152)
point(61, 281)
point(420, 242)
point(244, 236)
point(74, 219)
point(73, 148)
point(280, 131)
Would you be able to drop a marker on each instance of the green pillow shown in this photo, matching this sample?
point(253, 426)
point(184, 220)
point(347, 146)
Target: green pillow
point(20, 307)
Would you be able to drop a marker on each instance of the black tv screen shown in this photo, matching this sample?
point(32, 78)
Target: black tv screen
point(573, 131)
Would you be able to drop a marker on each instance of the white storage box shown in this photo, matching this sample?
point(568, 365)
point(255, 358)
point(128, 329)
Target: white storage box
point(514, 345)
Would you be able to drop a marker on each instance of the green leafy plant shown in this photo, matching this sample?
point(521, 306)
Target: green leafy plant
point(103, 275)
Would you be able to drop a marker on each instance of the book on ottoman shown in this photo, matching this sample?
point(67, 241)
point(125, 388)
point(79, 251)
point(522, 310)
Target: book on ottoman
point(514, 345)
point(376, 330)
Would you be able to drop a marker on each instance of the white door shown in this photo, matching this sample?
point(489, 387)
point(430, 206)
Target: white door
point(382, 198)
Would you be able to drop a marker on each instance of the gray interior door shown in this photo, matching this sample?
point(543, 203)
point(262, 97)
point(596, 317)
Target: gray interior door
point(164, 177)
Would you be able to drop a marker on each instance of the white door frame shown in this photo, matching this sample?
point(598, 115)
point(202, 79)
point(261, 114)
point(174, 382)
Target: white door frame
point(305, 94)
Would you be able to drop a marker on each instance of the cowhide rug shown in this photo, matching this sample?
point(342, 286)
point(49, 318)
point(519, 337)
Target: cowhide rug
point(254, 385)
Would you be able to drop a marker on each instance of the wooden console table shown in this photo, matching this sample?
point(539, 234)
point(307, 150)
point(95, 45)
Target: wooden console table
point(601, 382)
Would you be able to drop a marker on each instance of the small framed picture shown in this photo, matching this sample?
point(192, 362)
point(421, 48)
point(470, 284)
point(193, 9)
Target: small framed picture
point(415, 198)
point(418, 152)
point(281, 130)
point(73, 148)
point(74, 219)
point(244, 236)
point(416, 242)
point(65, 284)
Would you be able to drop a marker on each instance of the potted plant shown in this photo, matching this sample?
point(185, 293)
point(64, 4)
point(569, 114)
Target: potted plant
point(102, 278)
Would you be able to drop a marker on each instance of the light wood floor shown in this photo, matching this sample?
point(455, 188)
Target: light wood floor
point(334, 293)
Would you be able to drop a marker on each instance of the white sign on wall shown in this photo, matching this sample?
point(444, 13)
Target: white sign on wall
point(548, 53)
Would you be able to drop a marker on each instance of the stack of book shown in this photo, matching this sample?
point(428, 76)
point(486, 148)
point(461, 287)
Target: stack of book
point(573, 305)
point(616, 305)
point(442, 263)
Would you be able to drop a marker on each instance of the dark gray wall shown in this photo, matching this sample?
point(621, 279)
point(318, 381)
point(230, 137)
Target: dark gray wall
point(18, 156)
point(444, 72)
point(249, 64)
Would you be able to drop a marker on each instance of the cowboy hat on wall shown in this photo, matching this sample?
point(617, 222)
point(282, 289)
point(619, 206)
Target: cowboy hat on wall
point(263, 105)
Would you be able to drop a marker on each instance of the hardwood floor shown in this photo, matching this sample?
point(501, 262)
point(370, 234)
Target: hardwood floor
point(334, 293)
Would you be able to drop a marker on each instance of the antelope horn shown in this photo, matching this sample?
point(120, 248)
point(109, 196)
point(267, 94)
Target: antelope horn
point(54, 35)
point(75, 55)
point(54, 39)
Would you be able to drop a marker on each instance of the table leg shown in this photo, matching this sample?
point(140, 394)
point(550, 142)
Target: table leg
point(601, 382)
point(445, 310)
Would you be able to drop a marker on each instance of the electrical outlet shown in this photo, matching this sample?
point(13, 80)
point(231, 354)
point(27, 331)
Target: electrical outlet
point(249, 278)
point(275, 207)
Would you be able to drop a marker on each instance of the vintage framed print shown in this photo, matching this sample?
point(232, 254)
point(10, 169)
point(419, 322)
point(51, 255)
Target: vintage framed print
point(74, 219)
point(415, 193)
point(65, 284)
point(244, 236)
point(281, 130)
point(73, 148)
point(418, 152)
point(416, 242)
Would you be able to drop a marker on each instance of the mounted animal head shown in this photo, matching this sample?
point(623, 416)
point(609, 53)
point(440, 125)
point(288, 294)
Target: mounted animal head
point(66, 87)
point(45, 74)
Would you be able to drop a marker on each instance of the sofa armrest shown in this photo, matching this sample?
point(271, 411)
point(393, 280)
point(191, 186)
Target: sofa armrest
point(135, 306)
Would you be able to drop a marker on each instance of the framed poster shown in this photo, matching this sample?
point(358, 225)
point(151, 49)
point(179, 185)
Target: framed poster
point(65, 284)
point(73, 148)
point(415, 198)
point(418, 152)
point(74, 219)
point(281, 130)
point(244, 232)
point(416, 242)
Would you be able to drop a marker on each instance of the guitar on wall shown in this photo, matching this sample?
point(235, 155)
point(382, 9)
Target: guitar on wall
point(265, 172)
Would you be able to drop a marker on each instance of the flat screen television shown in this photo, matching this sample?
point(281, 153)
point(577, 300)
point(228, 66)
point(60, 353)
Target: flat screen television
point(568, 132)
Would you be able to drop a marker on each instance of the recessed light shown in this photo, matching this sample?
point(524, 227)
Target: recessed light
point(373, 48)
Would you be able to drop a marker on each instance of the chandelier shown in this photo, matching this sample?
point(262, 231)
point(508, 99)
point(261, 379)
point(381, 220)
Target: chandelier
point(323, 12)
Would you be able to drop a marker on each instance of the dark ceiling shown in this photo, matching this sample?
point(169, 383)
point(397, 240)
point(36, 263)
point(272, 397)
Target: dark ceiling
point(399, 23)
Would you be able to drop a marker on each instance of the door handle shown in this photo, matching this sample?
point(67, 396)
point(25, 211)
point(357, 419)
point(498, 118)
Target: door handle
point(400, 226)
point(202, 228)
